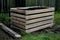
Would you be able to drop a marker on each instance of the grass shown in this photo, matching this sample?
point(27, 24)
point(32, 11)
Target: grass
point(57, 18)
point(4, 17)
point(43, 36)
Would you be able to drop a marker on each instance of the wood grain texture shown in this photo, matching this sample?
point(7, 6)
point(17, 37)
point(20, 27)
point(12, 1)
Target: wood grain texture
point(16, 10)
point(39, 19)
point(39, 28)
point(18, 15)
point(37, 24)
point(10, 31)
point(33, 20)
point(20, 23)
point(32, 11)
point(39, 15)
point(34, 29)
point(17, 25)
point(32, 16)
point(18, 19)
point(39, 10)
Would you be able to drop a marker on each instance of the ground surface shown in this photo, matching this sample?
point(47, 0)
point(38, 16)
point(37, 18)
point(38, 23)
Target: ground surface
point(45, 34)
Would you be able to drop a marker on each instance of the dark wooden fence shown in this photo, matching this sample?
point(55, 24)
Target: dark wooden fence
point(6, 4)
point(35, 2)
point(58, 5)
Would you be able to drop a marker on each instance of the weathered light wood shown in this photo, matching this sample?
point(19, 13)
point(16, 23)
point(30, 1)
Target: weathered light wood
point(32, 25)
point(39, 10)
point(39, 15)
point(39, 28)
point(34, 29)
point(18, 19)
point(32, 20)
point(21, 23)
point(37, 24)
point(16, 10)
point(39, 19)
point(8, 30)
point(33, 16)
point(32, 11)
point(18, 15)
point(18, 25)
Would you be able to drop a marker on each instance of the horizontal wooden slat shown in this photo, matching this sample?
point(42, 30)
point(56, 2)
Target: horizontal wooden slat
point(39, 15)
point(39, 28)
point(39, 10)
point(32, 16)
point(39, 23)
point(34, 29)
point(21, 23)
point(39, 19)
point(12, 9)
point(14, 14)
point(32, 11)
point(18, 19)
point(31, 25)
point(32, 21)
point(18, 25)
point(16, 10)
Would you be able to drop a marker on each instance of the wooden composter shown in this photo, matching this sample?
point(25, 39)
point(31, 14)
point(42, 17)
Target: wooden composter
point(30, 19)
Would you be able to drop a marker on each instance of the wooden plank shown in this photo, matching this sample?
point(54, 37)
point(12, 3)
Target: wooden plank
point(12, 9)
point(32, 16)
point(18, 19)
point(39, 23)
point(32, 25)
point(21, 23)
point(16, 10)
point(39, 28)
point(39, 19)
point(39, 15)
point(32, 21)
point(11, 32)
point(39, 10)
point(32, 11)
point(35, 29)
point(21, 16)
point(18, 25)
